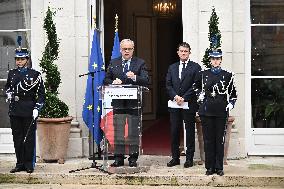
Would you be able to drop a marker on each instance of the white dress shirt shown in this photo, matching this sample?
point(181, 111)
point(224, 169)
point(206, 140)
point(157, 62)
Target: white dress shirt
point(181, 65)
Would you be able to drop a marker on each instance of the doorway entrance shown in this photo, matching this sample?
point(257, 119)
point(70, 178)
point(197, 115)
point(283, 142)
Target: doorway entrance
point(156, 39)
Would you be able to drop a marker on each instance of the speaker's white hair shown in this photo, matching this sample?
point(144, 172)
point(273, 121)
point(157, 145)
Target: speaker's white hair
point(127, 40)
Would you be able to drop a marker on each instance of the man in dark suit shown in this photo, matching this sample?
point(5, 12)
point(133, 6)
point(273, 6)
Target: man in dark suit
point(25, 93)
point(126, 70)
point(180, 78)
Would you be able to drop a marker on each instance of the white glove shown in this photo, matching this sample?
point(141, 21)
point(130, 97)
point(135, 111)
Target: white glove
point(201, 97)
point(229, 107)
point(9, 97)
point(35, 113)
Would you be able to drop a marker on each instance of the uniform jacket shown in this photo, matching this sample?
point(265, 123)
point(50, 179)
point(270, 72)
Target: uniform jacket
point(183, 87)
point(27, 92)
point(115, 70)
point(219, 90)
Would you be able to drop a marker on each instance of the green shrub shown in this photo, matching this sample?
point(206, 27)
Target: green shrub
point(53, 106)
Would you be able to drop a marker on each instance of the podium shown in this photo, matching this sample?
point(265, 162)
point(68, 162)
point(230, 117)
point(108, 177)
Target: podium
point(122, 121)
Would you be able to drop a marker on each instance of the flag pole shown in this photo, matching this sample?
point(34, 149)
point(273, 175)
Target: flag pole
point(94, 164)
point(116, 23)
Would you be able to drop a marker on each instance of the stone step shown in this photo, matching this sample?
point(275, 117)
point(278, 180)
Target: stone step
point(78, 186)
point(255, 172)
point(93, 177)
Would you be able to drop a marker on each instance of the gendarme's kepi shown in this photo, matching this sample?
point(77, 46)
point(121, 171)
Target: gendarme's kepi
point(21, 53)
point(215, 53)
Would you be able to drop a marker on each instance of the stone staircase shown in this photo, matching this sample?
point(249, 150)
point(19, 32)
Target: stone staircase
point(247, 172)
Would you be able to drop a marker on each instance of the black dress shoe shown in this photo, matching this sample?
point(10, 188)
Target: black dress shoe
point(117, 163)
point(29, 170)
point(188, 164)
point(210, 172)
point(173, 162)
point(220, 172)
point(17, 169)
point(132, 164)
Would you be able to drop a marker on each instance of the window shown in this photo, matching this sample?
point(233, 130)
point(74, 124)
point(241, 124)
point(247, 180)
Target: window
point(267, 63)
point(14, 22)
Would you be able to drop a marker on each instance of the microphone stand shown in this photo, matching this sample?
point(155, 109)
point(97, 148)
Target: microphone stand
point(92, 74)
point(94, 164)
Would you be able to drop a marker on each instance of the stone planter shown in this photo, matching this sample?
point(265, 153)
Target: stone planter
point(201, 142)
point(53, 136)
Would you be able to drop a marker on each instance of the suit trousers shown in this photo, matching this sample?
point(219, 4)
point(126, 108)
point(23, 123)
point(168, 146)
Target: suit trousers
point(132, 140)
point(177, 117)
point(214, 139)
point(25, 151)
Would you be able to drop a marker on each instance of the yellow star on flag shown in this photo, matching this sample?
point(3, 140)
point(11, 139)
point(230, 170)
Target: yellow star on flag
point(98, 109)
point(90, 107)
point(95, 65)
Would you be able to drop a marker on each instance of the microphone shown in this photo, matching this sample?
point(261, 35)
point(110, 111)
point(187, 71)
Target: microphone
point(92, 73)
point(102, 70)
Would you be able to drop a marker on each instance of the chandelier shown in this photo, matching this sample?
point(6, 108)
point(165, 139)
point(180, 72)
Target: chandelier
point(164, 7)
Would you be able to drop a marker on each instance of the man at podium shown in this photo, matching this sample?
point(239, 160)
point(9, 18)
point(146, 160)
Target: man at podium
point(124, 70)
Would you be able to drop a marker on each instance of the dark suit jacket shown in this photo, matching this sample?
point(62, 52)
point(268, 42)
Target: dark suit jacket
point(137, 66)
point(115, 70)
point(183, 87)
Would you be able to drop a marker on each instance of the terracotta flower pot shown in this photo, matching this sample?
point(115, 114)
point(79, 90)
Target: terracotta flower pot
point(53, 136)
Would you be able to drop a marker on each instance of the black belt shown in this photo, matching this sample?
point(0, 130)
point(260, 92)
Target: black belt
point(216, 95)
point(23, 98)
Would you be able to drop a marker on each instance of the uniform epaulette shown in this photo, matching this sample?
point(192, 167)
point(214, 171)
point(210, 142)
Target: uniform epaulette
point(227, 70)
point(205, 69)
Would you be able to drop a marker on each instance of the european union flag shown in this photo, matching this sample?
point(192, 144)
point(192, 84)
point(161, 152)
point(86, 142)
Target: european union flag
point(116, 47)
point(92, 108)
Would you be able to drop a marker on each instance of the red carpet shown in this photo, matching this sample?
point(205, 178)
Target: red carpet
point(156, 138)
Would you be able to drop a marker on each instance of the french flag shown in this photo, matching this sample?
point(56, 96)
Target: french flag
point(107, 119)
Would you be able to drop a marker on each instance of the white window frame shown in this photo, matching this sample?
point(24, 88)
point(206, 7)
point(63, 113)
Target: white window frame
point(11, 31)
point(249, 131)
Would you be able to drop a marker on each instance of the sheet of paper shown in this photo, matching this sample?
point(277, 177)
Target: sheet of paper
point(173, 104)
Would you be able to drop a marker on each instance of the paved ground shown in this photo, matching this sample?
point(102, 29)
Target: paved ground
point(76, 173)
point(69, 186)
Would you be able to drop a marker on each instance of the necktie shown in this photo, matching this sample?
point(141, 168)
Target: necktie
point(125, 66)
point(183, 69)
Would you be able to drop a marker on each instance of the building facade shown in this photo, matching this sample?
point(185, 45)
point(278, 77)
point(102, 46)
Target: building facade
point(252, 42)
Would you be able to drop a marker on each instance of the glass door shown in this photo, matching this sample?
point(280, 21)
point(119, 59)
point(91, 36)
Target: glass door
point(267, 77)
point(14, 22)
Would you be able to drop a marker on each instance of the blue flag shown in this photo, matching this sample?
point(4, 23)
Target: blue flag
point(92, 108)
point(116, 47)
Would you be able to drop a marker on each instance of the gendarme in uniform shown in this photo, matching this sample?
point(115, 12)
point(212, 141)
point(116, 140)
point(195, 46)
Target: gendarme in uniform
point(25, 93)
point(217, 97)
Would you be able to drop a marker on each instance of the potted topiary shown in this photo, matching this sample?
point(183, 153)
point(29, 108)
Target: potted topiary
point(53, 122)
